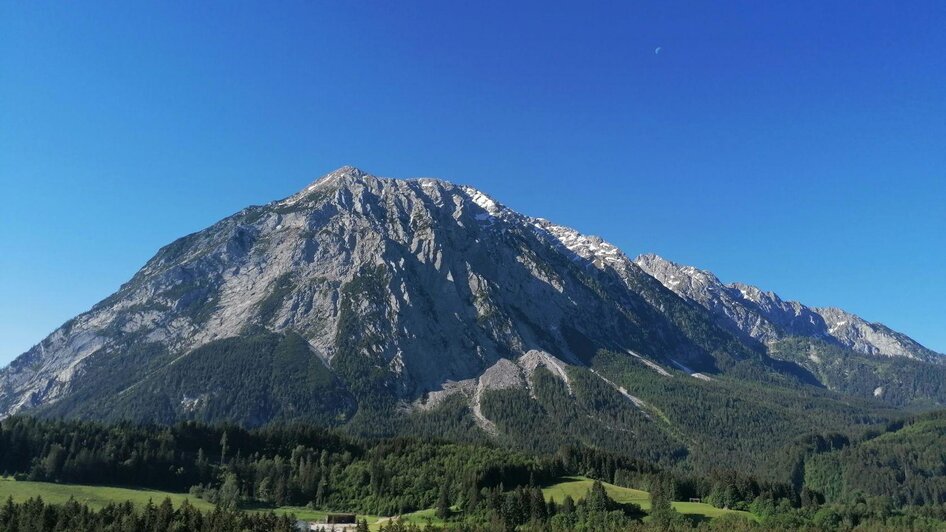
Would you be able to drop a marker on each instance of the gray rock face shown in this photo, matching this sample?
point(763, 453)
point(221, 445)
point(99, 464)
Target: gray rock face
point(426, 282)
point(763, 316)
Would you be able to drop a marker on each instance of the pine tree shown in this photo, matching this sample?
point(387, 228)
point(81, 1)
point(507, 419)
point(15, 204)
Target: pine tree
point(538, 509)
point(568, 505)
point(472, 497)
point(223, 448)
point(662, 492)
point(597, 499)
point(443, 502)
point(229, 495)
point(263, 491)
point(321, 492)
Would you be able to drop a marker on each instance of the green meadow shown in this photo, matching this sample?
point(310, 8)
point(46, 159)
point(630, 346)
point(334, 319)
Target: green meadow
point(100, 496)
point(577, 487)
point(94, 496)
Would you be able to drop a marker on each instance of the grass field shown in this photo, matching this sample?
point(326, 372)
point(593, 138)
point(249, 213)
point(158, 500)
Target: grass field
point(423, 517)
point(577, 487)
point(99, 496)
point(94, 496)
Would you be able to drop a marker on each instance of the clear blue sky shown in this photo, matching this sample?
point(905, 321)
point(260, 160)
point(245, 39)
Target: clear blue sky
point(799, 146)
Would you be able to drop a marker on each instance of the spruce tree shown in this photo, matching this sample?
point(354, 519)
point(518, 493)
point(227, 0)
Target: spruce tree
point(443, 502)
point(568, 505)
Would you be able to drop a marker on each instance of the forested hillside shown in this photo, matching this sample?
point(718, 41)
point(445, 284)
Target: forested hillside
point(898, 381)
point(905, 465)
point(265, 377)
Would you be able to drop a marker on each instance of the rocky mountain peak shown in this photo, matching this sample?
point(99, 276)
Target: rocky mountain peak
point(343, 176)
point(347, 172)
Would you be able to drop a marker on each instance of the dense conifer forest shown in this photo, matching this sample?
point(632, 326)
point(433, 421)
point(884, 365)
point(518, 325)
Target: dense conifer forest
point(892, 477)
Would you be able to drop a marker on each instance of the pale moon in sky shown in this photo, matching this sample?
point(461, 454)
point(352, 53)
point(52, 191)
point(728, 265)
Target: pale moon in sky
point(657, 50)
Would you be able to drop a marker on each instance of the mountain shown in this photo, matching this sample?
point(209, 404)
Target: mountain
point(398, 285)
point(389, 306)
point(846, 352)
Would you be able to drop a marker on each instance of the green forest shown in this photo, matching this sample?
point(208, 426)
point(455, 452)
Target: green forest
point(887, 478)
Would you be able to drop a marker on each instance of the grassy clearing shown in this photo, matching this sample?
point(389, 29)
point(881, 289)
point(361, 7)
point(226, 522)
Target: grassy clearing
point(423, 517)
point(577, 487)
point(98, 497)
point(94, 496)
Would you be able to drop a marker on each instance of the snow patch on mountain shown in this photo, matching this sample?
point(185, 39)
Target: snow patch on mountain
point(589, 248)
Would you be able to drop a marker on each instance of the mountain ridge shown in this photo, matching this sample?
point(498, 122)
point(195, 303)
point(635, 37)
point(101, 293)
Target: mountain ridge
point(765, 317)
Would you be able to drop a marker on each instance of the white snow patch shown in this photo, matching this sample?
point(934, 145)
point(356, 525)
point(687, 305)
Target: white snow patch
point(589, 248)
point(837, 326)
point(483, 201)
